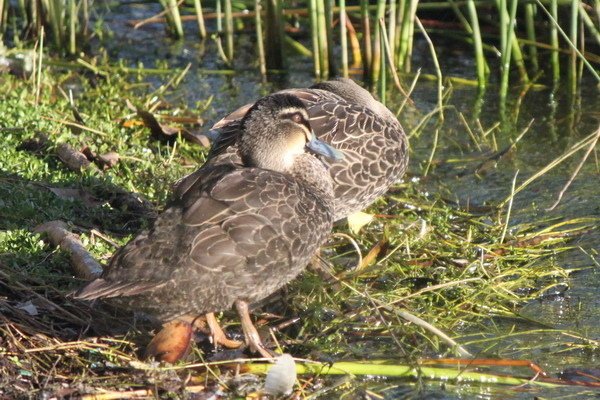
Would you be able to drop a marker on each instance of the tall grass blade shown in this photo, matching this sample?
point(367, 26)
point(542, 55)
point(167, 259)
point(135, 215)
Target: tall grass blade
point(344, 38)
point(480, 62)
point(390, 60)
point(391, 29)
point(366, 30)
point(219, 16)
point(440, 85)
point(382, 66)
point(571, 44)
point(411, 31)
point(554, 60)
point(173, 18)
point(259, 38)
point(3, 12)
point(589, 23)
point(85, 18)
point(72, 27)
point(574, 26)
point(314, 29)
point(38, 81)
point(329, 5)
point(274, 33)
point(530, 12)
point(400, 10)
point(322, 35)
point(377, 44)
point(406, 36)
point(200, 18)
point(229, 30)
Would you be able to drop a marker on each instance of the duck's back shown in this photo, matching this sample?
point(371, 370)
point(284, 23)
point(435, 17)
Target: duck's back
point(231, 233)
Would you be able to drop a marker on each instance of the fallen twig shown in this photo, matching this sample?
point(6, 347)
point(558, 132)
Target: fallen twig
point(84, 264)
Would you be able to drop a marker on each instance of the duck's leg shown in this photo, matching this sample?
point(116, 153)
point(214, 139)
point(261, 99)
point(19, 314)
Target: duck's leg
point(250, 334)
point(172, 343)
point(217, 334)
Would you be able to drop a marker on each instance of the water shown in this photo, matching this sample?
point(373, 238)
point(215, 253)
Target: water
point(559, 121)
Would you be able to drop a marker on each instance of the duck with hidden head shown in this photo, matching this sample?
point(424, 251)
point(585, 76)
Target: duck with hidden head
point(234, 235)
point(350, 119)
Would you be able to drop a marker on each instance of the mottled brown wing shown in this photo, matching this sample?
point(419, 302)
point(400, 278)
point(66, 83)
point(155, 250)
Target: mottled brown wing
point(216, 242)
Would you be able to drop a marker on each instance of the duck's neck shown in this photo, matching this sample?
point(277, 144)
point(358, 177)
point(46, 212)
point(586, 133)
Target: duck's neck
point(313, 173)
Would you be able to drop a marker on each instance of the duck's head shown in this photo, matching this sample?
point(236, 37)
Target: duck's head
point(275, 131)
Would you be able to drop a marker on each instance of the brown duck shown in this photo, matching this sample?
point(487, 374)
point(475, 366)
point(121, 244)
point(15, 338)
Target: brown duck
point(347, 117)
point(235, 234)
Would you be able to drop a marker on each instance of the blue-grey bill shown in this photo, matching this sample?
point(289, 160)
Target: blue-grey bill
point(319, 147)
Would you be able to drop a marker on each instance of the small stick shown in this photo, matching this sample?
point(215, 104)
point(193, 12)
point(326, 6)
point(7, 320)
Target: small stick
point(84, 264)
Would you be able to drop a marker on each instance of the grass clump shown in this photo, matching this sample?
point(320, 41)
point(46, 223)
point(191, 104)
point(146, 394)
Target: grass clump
point(422, 256)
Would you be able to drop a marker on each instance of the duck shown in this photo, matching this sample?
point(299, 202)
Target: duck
point(234, 235)
point(350, 119)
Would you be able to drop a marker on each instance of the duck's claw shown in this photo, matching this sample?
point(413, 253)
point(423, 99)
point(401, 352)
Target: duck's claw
point(217, 334)
point(250, 333)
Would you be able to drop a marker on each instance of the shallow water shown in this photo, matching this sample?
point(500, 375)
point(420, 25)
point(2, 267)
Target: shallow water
point(559, 121)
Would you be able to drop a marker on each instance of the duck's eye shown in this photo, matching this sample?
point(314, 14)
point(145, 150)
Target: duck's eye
point(297, 118)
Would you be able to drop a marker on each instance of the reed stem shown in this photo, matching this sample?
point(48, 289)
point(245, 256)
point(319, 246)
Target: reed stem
point(589, 23)
point(329, 6)
point(200, 19)
point(530, 12)
point(344, 38)
point(480, 62)
point(377, 44)
point(259, 38)
point(72, 27)
point(274, 31)
point(367, 50)
point(554, 41)
point(173, 18)
point(382, 62)
point(438, 70)
point(574, 26)
point(322, 36)
point(228, 30)
point(314, 27)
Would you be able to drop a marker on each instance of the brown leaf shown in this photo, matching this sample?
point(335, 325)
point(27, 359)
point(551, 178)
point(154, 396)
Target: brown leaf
point(158, 130)
point(73, 159)
point(195, 136)
point(107, 160)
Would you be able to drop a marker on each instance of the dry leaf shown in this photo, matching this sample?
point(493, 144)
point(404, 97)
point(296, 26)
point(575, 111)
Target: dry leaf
point(357, 220)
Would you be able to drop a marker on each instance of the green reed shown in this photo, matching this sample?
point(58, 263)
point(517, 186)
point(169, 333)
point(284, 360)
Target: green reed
point(573, 31)
point(344, 38)
point(173, 18)
point(260, 45)
point(274, 32)
point(200, 18)
point(314, 27)
point(554, 42)
point(378, 59)
point(517, 29)
point(229, 30)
